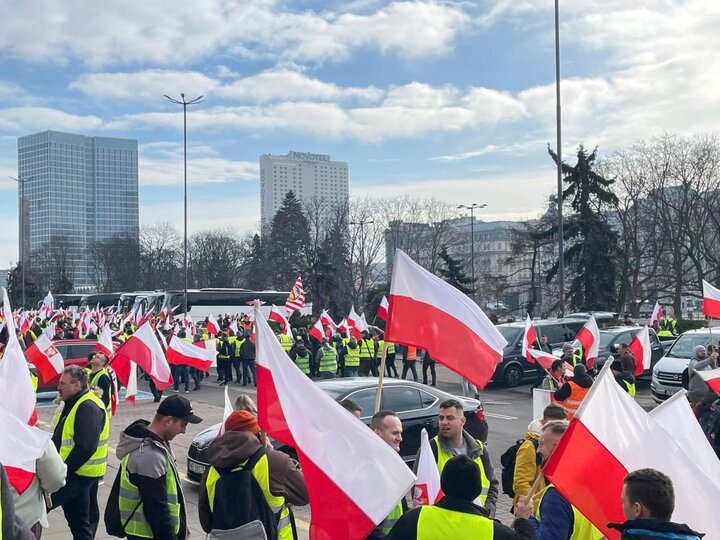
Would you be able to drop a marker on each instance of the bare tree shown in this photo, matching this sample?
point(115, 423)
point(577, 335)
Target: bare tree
point(161, 257)
point(55, 262)
point(215, 258)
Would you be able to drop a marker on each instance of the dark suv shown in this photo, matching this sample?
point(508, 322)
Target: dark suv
point(514, 367)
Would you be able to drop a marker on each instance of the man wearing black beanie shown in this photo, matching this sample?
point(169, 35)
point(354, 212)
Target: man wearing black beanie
point(455, 516)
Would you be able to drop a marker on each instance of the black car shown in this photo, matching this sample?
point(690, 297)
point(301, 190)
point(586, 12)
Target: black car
point(416, 404)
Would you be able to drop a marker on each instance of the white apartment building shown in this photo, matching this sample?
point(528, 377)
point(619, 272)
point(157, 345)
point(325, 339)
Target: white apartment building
point(309, 176)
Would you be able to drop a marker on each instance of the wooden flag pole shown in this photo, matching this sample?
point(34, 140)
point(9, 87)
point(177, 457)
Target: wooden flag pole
point(380, 376)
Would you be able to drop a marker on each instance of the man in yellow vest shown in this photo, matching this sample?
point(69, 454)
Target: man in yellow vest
point(456, 515)
point(150, 500)
point(220, 501)
point(554, 516)
point(99, 377)
point(453, 440)
point(81, 433)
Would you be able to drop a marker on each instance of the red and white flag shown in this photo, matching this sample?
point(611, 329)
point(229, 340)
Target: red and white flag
point(382, 311)
point(641, 349)
point(343, 326)
point(186, 354)
point(327, 320)
point(529, 339)
point(317, 330)
point(279, 317)
point(144, 349)
point(427, 487)
point(104, 342)
point(657, 314)
point(45, 357)
point(47, 306)
point(430, 314)
point(711, 378)
point(227, 411)
point(331, 447)
point(213, 327)
point(613, 434)
point(711, 300)
point(296, 298)
point(589, 338)
point(138, 316)
point(131, 386)
point(543, 358)
point(356, 324)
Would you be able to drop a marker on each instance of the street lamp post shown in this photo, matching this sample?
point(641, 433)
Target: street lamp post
point(362, 224)
point(21, 185)
point(185, 104)
point(472, 208)
point(558, 117)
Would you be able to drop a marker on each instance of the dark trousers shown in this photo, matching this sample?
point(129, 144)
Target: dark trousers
point(390, 366)
point(181, 372)
point(78, 499)
point(409, 366)
point(366, 366)
point(224, 367)
point(157, 394)
point(196, 376)
point(248, 367)
point(236, 367)
point(431, 366)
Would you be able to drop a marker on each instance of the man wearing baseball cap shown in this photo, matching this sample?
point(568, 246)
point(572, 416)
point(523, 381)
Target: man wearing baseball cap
point(150, 501)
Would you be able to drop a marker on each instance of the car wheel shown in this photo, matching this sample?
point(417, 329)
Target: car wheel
point(512, 376)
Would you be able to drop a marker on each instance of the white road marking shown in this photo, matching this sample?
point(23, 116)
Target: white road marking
point(500, 416)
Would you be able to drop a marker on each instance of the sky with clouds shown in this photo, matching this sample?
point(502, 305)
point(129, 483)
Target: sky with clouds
point(453, 100)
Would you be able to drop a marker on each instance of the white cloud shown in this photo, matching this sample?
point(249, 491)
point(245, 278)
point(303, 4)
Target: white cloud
point(26, 119)
point(148, 85)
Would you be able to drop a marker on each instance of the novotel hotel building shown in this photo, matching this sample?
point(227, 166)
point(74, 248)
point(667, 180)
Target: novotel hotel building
point(312, 177)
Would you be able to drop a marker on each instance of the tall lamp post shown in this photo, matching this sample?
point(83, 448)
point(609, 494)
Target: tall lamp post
point(558, 117)
point(362, 224)
point(185, 104)
point(21, 185)
point(472, 209)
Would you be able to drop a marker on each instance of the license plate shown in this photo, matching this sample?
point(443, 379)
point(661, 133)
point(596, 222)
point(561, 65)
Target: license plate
point(196, 467)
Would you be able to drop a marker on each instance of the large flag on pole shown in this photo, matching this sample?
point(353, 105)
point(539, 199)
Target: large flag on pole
point(296, 298)
point(613, 434)
point(641, 349)
point(20, 446)
point(589, 338)
point(145, 350)
point(279, 317)
point(711, 378)
point(382, 311)
point(181, 352)
point(711, 300)
point(353, 478)
point(43, 354)
point(657, 314)
point(430, 314)
point(529, 339)
point(104, 342)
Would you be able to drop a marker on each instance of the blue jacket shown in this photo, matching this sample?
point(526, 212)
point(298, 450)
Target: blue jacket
point(557, 519)
point(653, 529)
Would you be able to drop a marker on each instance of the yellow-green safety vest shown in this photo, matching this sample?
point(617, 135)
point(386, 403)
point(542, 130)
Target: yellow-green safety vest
point(582, 528)
point(261, 472)
point(286, 342)
point(435, 522)
point(352, 356)
point(390, 520)
point(96, 465)
point(367, 348)
point(328, 362)
point(132, 513)
point(630, 388)
point(391, 349)
point(444, 457)
point(94, 381)
point(303, 362)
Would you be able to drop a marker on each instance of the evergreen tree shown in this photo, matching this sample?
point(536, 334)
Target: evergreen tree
point(288, 244)
point(453, 272)
point(255, 270)
point(591, 242)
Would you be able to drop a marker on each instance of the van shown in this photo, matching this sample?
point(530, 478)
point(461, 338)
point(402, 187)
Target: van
point(514, 367)
point(667, 373)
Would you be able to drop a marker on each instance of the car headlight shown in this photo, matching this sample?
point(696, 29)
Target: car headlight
point(655, 371)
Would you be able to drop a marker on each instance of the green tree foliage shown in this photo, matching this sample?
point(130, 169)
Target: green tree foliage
point(374, 297)
point(255, 270)
point(287, 244)
point(591, 248)
point(453, 272)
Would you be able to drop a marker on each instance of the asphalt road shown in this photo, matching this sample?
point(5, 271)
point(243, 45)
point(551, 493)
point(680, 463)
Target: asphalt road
point(508, 412)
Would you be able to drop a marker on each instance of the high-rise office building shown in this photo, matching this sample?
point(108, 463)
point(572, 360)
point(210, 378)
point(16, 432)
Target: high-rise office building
point(82, 188)
point(309, 176)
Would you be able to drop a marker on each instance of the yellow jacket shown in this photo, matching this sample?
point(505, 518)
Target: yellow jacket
point(526, 468)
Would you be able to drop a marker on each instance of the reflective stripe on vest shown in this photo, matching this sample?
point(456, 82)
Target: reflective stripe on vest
point(572, 403)
point(132, 515)
point(96, 465)
point(443, 458)
point(390, 520)
point(435, 522)
point(261, 473)
point(352, 356)
point(582, 528)
point(328, 361)
point(303, 362)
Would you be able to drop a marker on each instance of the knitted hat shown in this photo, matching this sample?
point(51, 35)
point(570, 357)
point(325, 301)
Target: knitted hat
point(242, 421)
point(461, 478)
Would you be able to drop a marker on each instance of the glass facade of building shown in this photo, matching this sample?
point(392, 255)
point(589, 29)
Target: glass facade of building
point(83, 188)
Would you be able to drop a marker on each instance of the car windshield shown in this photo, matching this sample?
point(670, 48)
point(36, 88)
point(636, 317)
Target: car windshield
point(509, 333)
point(685, 345)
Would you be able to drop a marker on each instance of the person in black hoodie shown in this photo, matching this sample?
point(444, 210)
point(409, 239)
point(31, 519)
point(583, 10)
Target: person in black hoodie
point(648, 503)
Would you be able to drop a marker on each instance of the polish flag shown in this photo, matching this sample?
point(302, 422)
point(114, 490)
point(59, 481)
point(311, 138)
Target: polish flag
point(640, 347)
point(430, 314)
point(132, 389)
point(589, 338)
point(279, 317)
point(213, 327)
point(711, 300)
point(144, 349)
point(128, 319)
point(327, 320)
point(529, 339)
point(317, 330)
point(45, 357)
point(104, 343)
point(427, 487)
point(183, 353)
point(138, 316)
point(227, 411)
point(543, 358)
point(711, 378)
point(24, 324)
point(332, 448)
point(382, 311)
point(613, 434)
point(356, 323)
point(657, 314)
point(343, 326)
